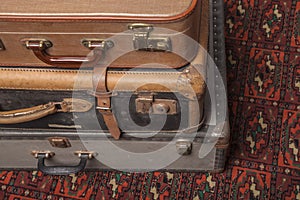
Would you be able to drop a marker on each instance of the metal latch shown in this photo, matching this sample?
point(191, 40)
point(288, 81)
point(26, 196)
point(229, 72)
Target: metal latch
point(59, 142)
point(183, 147)
point(142, 40)
point(147, 104)
point(2, 47)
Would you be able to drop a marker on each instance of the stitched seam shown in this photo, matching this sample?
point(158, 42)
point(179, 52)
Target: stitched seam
point(145, 73)
point(85, 72)
point(57, 89)
point(43, 70)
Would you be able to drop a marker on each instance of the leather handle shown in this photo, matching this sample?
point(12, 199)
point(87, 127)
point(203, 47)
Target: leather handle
point(39, 48)
point(62, 170)
point(37, 112)
point(27, 114)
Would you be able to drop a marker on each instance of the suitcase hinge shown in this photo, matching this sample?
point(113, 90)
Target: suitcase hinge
point(147, 104)
point(143, 40)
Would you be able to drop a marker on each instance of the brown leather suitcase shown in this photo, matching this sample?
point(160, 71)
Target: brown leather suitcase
point(62, 34)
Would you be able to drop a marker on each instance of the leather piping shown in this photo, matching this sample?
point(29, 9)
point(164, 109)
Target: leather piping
point(97, 18)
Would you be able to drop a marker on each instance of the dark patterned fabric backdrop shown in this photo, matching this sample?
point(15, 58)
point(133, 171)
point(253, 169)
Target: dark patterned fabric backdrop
point(263, 61)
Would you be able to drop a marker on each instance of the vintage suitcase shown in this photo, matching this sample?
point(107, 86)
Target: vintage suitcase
point(62, 34)
point(159, 109)
point(102, 34)
point(168, 136)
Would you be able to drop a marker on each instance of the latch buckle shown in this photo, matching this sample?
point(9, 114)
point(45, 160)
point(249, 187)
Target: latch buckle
point(147, 104)
point(144, 41)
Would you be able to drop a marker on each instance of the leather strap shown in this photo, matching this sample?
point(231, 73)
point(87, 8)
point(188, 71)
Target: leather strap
point(104, 100)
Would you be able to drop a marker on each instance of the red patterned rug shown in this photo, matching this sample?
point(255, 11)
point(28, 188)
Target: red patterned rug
point(263, 60)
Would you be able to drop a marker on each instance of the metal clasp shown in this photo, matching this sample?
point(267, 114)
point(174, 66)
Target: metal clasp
point(90, 154)
point(97, 43)
point(147, 104)
point(46, 154)
point(59, 142)
point(142, 40)
point(184, 147)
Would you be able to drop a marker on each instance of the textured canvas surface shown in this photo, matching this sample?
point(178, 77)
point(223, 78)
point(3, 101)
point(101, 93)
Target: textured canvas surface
point(263, 62)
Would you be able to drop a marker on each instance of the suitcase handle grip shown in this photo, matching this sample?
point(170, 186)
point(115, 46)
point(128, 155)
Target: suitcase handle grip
point(26, 114)
point(39, 48)
point(37, 112)
point(62, 170)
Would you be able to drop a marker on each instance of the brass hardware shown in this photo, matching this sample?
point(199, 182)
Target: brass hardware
point(147, 104)
point(142, 40)
point(184, 147)
point(36, 42)
point(91, 154)
point(97, 43)
point(134, 26)
point(46, 154)
point(88, 43)
point(59, 142)
point(2, 47)
point(39, 48)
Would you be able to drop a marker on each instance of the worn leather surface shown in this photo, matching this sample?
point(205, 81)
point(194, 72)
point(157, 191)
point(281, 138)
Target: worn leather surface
point(26, 114)
point(91, 120)
point(82, 80)
point(16, 116)
point(66, 35)
point(104, 105)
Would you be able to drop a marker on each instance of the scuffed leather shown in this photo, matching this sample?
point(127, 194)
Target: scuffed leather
point(67, 37)
point(74, 80)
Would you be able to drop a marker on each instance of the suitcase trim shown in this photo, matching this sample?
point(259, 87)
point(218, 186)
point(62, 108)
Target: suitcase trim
point(124, 17)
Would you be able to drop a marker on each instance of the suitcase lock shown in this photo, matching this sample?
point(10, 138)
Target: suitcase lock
point(147, 104)
point(142, 40)
point(59, 142)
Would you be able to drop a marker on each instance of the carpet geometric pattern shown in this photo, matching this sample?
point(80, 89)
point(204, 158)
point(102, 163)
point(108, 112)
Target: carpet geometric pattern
point(263, 71)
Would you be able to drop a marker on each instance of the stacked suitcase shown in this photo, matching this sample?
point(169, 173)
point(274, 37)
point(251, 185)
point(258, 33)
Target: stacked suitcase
point(128, 87)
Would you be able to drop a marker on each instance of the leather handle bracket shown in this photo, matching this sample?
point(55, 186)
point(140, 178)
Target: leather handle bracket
point(39, 48)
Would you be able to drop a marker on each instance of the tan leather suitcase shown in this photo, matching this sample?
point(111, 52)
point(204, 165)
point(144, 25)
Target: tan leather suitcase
point(63, 33)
